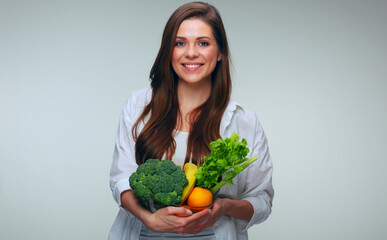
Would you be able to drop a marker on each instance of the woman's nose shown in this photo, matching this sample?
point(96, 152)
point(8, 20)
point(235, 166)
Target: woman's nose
point(192, 51)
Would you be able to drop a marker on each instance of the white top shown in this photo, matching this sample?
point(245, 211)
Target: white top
point(253, 184)
point(181, 139)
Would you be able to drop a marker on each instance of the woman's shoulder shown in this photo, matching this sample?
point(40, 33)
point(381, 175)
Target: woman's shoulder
point(236, 110)
point(240, 119)
point(141, 95)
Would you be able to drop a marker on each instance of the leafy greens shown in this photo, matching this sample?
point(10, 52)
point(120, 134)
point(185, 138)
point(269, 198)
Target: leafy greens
point(227, 156)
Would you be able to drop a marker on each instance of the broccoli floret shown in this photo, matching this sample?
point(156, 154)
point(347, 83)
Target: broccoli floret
point(169, 198)
point(168, 167)
point(140, 189)
point(149, 168)
point(153, 161)
point(178, 178)
point(162, 181)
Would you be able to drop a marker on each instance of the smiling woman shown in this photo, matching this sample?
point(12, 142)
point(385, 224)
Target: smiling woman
point(190, 97)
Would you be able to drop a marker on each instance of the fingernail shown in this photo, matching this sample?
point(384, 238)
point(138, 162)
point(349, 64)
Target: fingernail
point(189, 211)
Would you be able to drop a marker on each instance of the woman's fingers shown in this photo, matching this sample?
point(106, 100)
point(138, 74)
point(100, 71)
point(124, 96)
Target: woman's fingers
point(216, 213)
point(196, 221)
point(179, 211)
point(169, 220)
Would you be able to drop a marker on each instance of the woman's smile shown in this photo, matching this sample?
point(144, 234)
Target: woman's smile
point(192, 66)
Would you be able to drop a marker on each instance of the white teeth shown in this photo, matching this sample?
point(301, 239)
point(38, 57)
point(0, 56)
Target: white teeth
point(191, 65)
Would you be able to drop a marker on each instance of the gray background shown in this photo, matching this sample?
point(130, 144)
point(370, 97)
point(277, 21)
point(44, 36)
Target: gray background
point(313, 71)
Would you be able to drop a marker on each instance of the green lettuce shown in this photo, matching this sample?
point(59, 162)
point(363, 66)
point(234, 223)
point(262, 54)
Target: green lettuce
point(227, 156)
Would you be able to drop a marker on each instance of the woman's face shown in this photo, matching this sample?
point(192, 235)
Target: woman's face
point(196, 53)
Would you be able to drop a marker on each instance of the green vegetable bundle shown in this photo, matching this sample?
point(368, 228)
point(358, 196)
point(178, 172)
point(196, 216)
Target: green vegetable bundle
point(227, 156)
point(162, 181)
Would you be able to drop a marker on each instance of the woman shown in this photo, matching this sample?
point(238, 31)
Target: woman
point(187, 107)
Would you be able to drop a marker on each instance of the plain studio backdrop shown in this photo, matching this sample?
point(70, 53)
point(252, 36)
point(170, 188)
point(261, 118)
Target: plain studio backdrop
point(315, 73)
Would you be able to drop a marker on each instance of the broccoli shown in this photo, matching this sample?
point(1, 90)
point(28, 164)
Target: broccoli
point(163, 181)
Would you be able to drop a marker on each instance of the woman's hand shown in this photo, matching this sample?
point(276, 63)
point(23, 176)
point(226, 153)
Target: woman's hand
point(239, 209)
point(167, 220)
point(217, 211)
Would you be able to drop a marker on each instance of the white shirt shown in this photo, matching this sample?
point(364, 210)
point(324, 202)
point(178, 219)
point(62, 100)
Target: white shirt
point(253, 184)
point(181, 139)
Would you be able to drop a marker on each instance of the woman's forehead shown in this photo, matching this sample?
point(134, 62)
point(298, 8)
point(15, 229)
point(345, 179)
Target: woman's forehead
point(194, 27)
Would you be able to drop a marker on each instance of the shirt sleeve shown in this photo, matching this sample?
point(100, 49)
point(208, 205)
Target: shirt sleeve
point(256, 180)
point(124, 163)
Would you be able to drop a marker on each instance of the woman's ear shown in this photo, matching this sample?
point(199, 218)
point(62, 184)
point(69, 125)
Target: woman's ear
point(219, 56)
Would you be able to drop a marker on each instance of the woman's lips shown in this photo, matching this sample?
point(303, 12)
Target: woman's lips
point(192, 66)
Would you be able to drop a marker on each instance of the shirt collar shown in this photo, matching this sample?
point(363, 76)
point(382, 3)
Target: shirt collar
point(227, 116)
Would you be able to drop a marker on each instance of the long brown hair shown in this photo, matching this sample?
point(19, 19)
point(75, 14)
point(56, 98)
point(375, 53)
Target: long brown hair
point(161, 114)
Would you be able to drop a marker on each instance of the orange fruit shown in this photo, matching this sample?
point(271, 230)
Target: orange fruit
point(199, 199)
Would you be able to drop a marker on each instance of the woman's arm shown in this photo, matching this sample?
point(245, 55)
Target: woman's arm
point(130, 202)
point(240, 209)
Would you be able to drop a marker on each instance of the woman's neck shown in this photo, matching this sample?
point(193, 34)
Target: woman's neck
point(192, 96)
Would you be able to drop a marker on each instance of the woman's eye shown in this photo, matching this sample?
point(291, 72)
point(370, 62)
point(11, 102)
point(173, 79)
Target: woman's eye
point(179, 43)
point(203, 43)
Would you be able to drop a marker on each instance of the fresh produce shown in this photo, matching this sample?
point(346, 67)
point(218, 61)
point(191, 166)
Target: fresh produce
point(163, 181)
point(189, 169)
point(199, 199)
point(167, 185)
point(227, 156)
